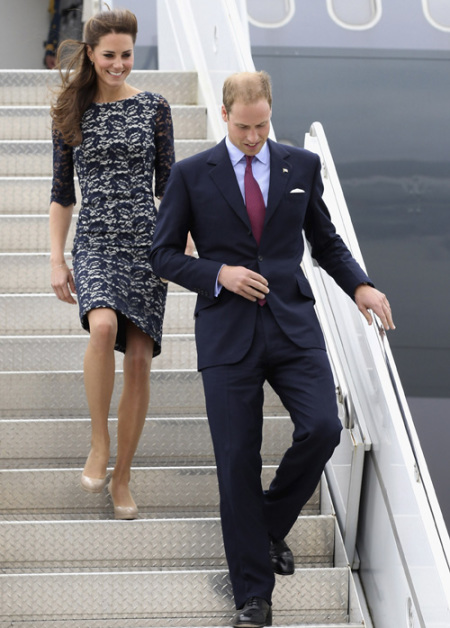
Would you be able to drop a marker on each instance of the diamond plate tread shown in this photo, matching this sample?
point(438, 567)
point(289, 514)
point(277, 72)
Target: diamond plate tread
point(169, 598)
point(61, 353)
point(34, 87)
point(132, 623)
point(47, 523)
point(62, 394)
point(156, 489)
point(50, 394)
point(34, 158)
point(29, 233)
point(310, 510)
point(136, 623)
point(27, 195)
point(44, 314)
point(34, 123)
point(46, 443)
point(22, 273)
point(147, 544)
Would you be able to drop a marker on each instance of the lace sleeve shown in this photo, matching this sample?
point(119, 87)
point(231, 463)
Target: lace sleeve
point(165, 151)
point(63, 188)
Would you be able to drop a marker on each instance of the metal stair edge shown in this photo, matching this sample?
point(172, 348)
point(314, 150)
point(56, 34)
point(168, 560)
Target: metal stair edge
point(313, 594)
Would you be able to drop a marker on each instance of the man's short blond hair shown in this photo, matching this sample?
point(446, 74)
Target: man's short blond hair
point(247, 87)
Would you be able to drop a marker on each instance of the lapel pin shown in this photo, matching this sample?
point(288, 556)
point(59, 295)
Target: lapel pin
point(285, 170)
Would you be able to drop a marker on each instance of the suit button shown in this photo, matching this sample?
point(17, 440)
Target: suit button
point(260, 258)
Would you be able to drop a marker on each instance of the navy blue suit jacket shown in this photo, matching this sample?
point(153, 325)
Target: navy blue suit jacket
point(202, 196)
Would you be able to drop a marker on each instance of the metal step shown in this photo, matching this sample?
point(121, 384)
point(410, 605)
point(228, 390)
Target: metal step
point(44, 314)
point(131, 623)
point(168, 598)
point(48, 394)
point(34, 158)
point(167, 441)
point(22, 273)
point(150, 544)
point(62, 353)
point(66, 561)
point(181, 490)
point(34, 123)
point(34, 87)
point(28, 195)
point(28, 233)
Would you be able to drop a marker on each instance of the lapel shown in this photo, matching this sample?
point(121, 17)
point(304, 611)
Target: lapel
point(223, 176)
point(280, 170)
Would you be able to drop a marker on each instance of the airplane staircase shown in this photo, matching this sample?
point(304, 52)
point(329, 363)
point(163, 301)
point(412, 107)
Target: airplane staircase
point(64, 560)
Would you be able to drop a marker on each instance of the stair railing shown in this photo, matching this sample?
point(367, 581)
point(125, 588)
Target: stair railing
point(397, 473)
point(209, 38)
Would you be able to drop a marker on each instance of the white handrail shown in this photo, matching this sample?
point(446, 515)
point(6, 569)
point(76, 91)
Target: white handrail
point(375, 388)
point(210, 39)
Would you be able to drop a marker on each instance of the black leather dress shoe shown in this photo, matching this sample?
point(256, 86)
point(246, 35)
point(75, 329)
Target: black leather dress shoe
point(282, 558)
point(255, 614)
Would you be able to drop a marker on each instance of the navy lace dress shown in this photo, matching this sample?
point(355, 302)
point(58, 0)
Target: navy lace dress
point(126, 144)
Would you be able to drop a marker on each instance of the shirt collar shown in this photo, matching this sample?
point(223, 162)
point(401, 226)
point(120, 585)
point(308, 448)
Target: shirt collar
point(237, 155)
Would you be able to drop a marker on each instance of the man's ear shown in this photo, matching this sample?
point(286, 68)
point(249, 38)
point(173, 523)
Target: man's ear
point(224, 114)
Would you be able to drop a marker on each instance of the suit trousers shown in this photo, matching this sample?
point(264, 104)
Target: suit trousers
point(250, 515)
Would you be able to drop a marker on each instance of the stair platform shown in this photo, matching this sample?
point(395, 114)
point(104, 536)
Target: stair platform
point(66, 562)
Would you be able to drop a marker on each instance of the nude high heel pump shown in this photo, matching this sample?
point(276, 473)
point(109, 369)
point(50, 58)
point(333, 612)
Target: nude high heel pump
point(122, 512)
point(92, 485)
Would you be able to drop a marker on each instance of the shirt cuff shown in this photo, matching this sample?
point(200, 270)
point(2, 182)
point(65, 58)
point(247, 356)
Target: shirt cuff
point(218, 286)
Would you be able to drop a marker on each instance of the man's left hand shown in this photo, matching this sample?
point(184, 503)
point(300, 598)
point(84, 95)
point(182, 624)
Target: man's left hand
point(369, 298)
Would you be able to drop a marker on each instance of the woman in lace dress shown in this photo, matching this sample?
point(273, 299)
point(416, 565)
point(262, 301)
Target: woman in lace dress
point(116, 138)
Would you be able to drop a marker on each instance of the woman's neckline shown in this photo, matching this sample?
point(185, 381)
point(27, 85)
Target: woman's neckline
point(112, 102)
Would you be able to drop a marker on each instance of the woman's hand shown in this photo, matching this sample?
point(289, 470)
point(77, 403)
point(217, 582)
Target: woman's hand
point(62, 283)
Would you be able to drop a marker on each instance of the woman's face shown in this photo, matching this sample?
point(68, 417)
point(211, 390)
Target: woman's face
point(113, 59)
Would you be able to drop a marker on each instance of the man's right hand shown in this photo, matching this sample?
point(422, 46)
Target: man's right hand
point(244, 282)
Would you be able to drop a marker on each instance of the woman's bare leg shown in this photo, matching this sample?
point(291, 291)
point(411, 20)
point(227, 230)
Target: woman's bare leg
point(99, 370)
point(132, 410)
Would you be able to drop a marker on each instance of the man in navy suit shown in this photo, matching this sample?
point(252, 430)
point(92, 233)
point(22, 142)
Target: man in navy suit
point(255, 322)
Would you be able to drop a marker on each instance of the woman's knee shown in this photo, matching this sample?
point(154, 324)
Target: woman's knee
point(103, 327)
point(137, 363)
point(138, 355)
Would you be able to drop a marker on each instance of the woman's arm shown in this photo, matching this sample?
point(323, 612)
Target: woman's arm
point(61, 276)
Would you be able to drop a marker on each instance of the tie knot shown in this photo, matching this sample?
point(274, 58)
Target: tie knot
point(248, 160)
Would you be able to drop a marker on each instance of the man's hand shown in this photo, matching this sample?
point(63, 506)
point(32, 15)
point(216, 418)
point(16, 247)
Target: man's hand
point(243, 282)
point(369, 298)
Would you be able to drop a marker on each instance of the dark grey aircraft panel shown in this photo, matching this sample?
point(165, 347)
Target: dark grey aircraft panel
point(387, 120)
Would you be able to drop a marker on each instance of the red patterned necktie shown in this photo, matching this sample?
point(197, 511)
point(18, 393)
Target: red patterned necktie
point(254, 202)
